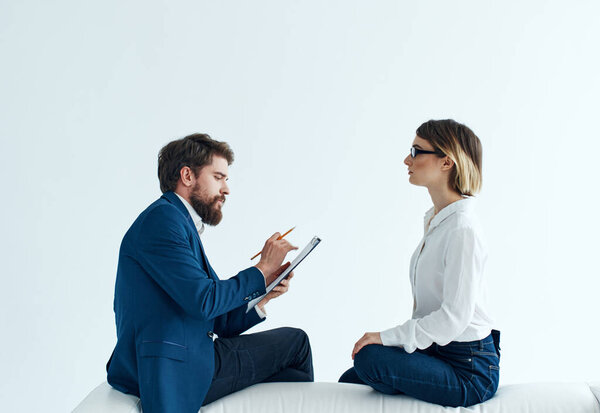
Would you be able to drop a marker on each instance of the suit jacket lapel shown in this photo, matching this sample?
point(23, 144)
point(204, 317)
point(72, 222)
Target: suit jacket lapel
point(210, 271)
point(172, 198)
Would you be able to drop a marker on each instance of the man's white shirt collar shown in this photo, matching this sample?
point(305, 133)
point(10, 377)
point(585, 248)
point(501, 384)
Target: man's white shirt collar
point(195, 217)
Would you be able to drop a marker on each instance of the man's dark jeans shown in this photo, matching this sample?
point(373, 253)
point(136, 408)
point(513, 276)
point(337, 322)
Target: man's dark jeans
point(282, 354)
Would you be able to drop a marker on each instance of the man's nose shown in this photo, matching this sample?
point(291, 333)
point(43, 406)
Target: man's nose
point(225, 189)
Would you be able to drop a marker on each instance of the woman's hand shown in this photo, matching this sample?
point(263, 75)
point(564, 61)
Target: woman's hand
point(365, 340)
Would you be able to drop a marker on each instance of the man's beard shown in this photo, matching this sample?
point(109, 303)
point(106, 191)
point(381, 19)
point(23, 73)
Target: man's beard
point(208, 211)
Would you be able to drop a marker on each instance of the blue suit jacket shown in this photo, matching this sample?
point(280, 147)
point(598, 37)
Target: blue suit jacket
point(168, 301)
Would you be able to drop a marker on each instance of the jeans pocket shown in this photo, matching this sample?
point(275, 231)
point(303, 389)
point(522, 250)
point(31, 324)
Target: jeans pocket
point(494, 375)
point(485, 376)
point(458, 356)
point(485, 353)
point(246, 369)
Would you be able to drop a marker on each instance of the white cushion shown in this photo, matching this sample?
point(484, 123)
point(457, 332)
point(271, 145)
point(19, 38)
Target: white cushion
point(338, 398)
point(106, 399)
point(595, 387)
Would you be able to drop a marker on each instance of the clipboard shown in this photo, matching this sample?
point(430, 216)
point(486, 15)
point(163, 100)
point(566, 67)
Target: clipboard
point(299, 258)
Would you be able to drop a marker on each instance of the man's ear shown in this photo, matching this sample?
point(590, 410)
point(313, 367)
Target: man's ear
point(187, 176)
point(447, 164)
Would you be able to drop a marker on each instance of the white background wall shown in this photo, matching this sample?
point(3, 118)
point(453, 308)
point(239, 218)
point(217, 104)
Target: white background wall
point(320, 101)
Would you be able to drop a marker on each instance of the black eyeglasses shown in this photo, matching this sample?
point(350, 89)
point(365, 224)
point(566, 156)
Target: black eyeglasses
point(414, 152)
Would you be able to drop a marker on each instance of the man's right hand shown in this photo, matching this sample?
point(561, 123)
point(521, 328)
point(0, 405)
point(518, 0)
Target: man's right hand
point(272, 256)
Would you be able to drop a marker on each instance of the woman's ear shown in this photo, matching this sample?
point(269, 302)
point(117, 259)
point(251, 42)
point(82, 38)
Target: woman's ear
point(447, 163)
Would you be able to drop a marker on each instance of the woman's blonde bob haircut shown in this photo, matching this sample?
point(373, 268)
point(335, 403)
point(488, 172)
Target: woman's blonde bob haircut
point(460, 144)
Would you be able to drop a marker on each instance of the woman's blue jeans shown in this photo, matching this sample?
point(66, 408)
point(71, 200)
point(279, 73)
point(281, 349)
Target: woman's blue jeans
point(457, 374)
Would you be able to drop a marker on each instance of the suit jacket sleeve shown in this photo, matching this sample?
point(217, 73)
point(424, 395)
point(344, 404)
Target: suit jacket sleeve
point(165, 253)
point(236, 322)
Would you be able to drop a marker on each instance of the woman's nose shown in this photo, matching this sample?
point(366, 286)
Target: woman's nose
point(407, 160)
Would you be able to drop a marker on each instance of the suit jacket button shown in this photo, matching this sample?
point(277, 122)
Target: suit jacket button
point(210, 334)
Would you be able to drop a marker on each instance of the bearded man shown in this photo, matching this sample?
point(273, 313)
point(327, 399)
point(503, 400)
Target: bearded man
point(178, 325)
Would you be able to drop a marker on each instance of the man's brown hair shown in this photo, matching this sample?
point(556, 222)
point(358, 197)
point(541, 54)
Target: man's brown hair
point(194, 151)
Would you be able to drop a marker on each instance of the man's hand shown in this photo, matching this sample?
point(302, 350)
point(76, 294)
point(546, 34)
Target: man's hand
point(272, 256)
point(365, 340)
point(282, 288)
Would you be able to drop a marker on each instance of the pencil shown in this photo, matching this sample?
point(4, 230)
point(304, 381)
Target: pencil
point(280, 237)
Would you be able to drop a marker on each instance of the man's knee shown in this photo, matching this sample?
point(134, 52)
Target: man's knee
point(301, 352)
point(292, 331)
point(295, 335)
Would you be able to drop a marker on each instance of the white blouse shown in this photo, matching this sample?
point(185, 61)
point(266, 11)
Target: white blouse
point(448, 284)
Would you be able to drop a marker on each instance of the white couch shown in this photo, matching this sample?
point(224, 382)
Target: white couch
point(338, 398)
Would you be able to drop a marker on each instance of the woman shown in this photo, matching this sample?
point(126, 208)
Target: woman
point(447, 353)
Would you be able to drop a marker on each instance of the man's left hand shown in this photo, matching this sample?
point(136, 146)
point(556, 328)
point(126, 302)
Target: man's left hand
point(282, 288)
point(365, 340)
